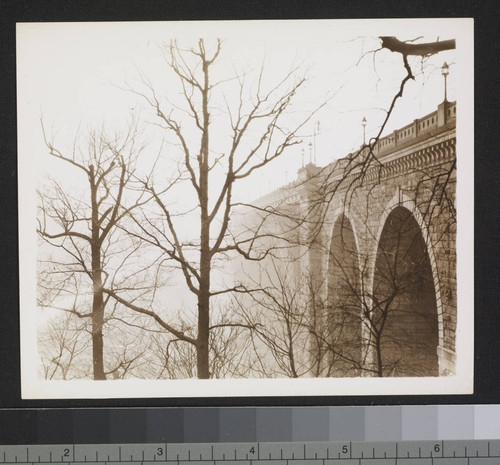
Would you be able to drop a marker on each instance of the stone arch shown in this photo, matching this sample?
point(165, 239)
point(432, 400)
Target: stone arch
point(328, 232)
point(344, 297)
point(406, 293)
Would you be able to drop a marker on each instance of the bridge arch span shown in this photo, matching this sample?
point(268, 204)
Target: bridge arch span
point(329, 230)
point(404, 284)
point(344, 297)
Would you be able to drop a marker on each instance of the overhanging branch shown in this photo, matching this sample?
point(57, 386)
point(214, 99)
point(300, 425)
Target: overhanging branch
point(405, 48)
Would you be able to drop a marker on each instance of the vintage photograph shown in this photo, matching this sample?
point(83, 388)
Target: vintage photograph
point(246, 208)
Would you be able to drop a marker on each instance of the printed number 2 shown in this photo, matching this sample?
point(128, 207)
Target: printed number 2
point(66, 452)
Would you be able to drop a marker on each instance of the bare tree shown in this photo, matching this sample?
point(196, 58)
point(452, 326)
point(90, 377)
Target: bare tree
point(80, 232)
point(257, 133)
point(63, 346)
point(278, 316)
point(297, 332)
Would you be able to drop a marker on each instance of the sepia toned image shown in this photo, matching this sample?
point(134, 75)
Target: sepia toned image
point(246, 208)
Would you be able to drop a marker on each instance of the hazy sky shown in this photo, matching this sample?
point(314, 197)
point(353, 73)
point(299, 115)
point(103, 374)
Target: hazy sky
point(73, 74)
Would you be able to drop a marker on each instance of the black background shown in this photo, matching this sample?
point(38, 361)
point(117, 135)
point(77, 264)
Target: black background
point(487, 211)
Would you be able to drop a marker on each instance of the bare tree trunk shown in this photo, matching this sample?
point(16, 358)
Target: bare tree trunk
point(97, 323)
point(205, 252)
point(98, 297)
point(204, 290)
point(203, 321)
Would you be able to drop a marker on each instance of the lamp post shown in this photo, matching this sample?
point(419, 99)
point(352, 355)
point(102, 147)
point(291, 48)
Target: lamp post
point(302, 151)
point(445, 70)
point(310, 152)
point(363, 123)
point(315, 133)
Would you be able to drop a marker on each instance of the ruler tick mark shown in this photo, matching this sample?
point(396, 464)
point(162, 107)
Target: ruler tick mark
point(388, 451)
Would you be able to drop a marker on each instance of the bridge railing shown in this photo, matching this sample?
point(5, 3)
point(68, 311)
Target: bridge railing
point(437, 121)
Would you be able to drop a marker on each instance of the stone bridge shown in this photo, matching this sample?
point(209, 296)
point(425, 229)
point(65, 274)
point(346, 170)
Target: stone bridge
point(377, 237)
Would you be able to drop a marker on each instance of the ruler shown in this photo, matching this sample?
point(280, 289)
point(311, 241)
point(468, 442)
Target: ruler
point(473, 452)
